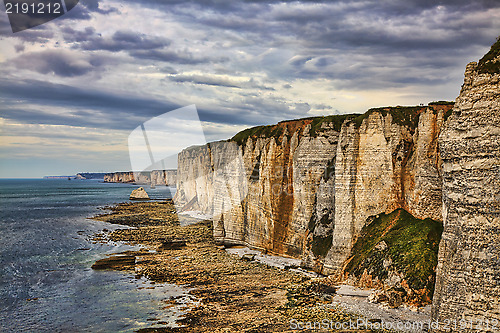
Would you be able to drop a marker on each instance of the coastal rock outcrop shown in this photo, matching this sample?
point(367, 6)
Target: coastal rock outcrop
point(305, 188)
point(139, 194)
point(468, 272)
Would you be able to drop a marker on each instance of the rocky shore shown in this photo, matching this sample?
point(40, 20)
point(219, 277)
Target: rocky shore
point(234, 294)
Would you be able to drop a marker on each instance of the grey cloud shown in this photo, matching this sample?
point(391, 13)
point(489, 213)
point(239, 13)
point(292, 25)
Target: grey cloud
point(137, 45)
point(99, 109)
point(72, 35)
point(94, 6)
point(19, 48)
point(205, 80)
point(173, 56)
point(60, 62)
point(39, 35)
point(218, 81)
point(86, 107)
point(121, 41)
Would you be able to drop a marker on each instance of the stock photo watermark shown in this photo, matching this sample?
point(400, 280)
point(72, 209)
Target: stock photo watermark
point(26, 14)
point(365, 324)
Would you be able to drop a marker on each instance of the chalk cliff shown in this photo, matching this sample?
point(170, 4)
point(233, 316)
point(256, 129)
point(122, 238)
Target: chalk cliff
point(315, 188)
point(468, 271)
point(305, 188)
point(155, 177)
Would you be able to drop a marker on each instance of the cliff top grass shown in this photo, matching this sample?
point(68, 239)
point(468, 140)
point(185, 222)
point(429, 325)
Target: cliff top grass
point(442, 103)
point(487, 64)
point(412, 245)
point(278, 130)
point(402, 115)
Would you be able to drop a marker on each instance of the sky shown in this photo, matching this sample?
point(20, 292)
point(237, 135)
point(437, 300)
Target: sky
point(72, 90)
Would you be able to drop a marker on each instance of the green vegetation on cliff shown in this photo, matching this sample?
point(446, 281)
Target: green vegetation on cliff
point(278, 130)
point(335, 120)
point(256, 132)
point(487, 64)
point(398, 242)
point(402, 115)
point(442, 103)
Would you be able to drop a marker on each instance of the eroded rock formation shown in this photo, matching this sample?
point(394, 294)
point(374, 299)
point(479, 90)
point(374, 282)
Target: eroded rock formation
point(468, 271)
point(139, 194)
point(305, 188)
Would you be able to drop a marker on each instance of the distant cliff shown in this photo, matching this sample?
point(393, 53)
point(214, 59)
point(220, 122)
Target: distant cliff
point(468, 272)
point(305, 188)
point(155, 177)
point(90, 175)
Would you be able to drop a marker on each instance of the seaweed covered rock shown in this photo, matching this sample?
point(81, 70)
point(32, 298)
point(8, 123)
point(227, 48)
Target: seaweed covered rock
point(398, 253)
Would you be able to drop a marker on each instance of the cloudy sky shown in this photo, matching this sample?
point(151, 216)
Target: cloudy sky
point(72, 90)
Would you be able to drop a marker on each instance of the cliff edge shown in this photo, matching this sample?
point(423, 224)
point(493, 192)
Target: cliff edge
point(468, 271)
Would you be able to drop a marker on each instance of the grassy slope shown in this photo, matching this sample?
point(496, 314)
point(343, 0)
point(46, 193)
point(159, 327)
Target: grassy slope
point(486, 65)
point(412, 247)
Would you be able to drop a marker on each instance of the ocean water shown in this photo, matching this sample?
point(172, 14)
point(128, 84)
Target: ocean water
point(46, 283)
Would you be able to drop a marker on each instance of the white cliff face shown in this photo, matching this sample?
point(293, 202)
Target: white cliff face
point(164, 177)
point(306, 190)
point(194, 180)
point(468, 271)
point(381, 166)
point(423, 181)
point(155, 177)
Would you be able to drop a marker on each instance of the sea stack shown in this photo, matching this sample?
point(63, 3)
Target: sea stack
point(139, 194)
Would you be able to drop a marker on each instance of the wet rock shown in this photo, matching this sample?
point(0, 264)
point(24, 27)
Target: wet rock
point(173, 244)
point(395, 299)
point(377, 297)
point(139, 194)
point(248, 256)
point(322, 288)
point(288, 267)
point(381, 246)
point(119, 262)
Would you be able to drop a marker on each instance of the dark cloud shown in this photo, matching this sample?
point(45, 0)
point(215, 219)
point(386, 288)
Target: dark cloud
point(382, 26)
point(358, 45)
point(60, 62)
point(95, 6)
point(210, 81)
point(89, 40)
point(85, 107)
point(19, 48)
point(173, 56)
point(72, 35)
point(100, 109)
point(218, 81)
point(137, 45)
point(38, 35)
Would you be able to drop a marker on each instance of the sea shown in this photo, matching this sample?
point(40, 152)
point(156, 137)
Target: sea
point(46, 254)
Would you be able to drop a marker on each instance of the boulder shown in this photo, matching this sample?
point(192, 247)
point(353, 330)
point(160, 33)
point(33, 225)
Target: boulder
point(248, 256)
point(173, 244)
point(377, 297)
point(395, 299)
point(139, 194)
